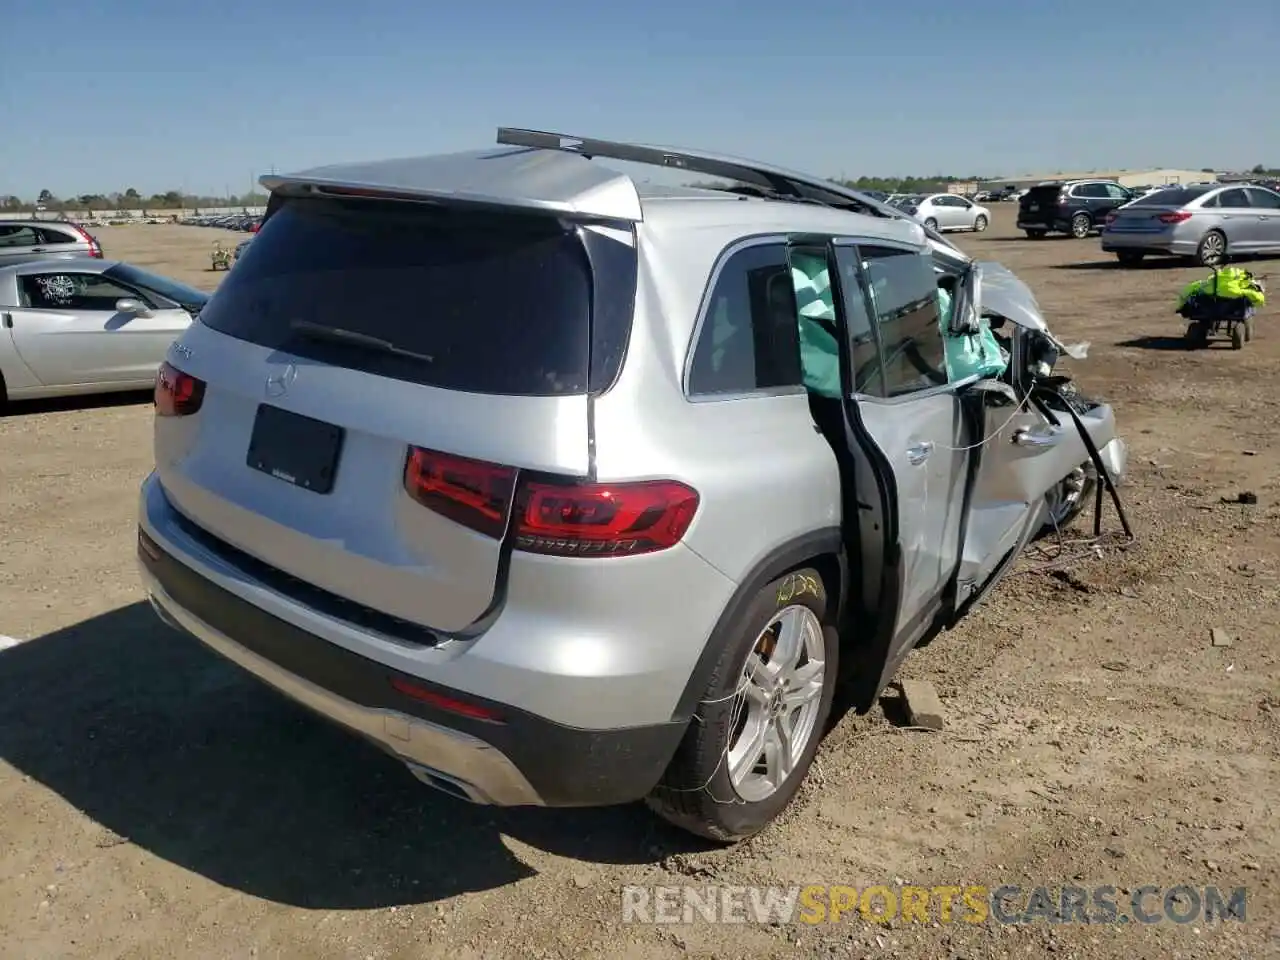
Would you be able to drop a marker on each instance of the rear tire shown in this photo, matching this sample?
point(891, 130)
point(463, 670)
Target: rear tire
point(931, 223)
point(1212, 248)
point(1129, 258)
point(1081, 224)
point(1248, 330)
point(1238, 337)
point(712, 787)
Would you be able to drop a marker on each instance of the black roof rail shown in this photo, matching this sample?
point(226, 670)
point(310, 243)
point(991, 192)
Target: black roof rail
point(779, 182)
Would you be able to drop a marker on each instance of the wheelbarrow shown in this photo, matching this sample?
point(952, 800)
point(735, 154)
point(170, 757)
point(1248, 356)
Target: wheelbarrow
point(220, 258)
point(1211, 311)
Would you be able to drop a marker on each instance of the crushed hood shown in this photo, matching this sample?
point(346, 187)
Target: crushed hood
point(1004, 294)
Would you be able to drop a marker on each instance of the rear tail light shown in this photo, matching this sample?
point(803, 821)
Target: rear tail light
point(1178, 216)
point(473, 493)
point(1111, 218)
point(95, 248)
point(177, 394)
point(568, 519)
point(603, 520)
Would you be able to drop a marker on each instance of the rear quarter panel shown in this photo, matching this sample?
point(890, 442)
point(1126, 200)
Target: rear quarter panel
point(763, 472)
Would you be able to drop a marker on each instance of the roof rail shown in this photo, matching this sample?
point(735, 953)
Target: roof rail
point(786, 183)
point(783, 184)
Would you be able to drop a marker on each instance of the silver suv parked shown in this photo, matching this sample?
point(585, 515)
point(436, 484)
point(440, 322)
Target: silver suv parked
point(504, 461)
point(24, 241)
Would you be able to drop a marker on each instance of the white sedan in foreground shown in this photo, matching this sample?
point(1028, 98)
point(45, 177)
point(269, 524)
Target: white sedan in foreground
point(87, 326)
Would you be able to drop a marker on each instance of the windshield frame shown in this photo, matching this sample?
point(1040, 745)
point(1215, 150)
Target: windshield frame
point(175, 291)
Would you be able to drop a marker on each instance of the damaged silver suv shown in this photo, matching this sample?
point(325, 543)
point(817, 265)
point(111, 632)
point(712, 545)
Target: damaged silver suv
point(505, 461)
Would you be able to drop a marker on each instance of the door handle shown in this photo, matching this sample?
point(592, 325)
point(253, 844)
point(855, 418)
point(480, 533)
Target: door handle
point(919, 453)
point(37, 249)
point(1037, 438)
point(7, 319)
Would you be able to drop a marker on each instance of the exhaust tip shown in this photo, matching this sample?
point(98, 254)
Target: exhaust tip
point(447, 784)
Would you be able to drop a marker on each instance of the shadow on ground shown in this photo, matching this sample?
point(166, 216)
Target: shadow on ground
point(20, 408)
point(1155, 343)
point(169, 747)
point(1156, 263)
point(1178, 344)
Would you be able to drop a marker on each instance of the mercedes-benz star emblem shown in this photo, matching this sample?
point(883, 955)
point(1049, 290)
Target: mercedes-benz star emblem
point(278, 383)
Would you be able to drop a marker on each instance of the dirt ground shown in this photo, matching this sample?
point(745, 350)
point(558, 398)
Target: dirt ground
point(158, 803)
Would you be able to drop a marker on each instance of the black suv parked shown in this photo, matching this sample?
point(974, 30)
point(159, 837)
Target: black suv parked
point(1075, 207)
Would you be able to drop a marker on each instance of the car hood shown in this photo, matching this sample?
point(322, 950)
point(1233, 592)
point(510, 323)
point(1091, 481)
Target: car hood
point(1003, 293)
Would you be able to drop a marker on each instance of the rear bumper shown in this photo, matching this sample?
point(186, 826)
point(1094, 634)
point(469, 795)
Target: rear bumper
point(1146, 243)
point(1046, 225)
point(519, 760)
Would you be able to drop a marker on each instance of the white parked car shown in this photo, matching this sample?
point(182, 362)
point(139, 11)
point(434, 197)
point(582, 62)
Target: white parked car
point(87, 326)
point(947, 211)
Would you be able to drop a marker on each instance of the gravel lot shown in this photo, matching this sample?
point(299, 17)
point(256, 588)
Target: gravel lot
point(157, 803)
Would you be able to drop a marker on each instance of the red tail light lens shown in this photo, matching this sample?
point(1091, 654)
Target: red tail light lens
point(1178, 216)
point(95, 248)
point(177, 394)
point(1111, 218)
point(473, 493)
point(570, 519)
point(603, 520)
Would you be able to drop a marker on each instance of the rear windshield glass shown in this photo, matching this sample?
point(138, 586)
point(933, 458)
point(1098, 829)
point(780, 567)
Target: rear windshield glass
point(1046, 190)
point(1173, 196)
point(478, 302)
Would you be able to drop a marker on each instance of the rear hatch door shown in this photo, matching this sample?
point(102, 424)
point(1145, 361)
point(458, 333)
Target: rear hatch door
point(1039, 205)
point(350, 332)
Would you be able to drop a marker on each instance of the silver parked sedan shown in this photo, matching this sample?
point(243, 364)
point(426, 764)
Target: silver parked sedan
point(1205, 221)
point(87, 326)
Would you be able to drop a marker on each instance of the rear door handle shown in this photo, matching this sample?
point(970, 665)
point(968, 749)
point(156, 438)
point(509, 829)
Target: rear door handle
point(919, 453)
point(37, 249)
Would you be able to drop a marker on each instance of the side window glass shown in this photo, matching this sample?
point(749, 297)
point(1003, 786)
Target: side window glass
point(1265, 199)
point(18, 235)
point(49, 235)
point(749, 338)
point(70, 291)
point(1233, 198)
point(1116, 192)
point(904, 290)
point(864, 351)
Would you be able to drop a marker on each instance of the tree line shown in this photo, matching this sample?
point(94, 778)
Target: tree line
point(129, 199)
point(174, 199)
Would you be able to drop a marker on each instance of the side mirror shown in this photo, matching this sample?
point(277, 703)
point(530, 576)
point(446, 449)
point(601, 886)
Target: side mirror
point(131, 306)
point(966, 305)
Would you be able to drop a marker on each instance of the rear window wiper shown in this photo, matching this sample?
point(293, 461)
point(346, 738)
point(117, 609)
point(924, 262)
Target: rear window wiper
point(319, 331)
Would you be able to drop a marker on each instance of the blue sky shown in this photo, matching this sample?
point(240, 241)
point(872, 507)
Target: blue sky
point(204, 96)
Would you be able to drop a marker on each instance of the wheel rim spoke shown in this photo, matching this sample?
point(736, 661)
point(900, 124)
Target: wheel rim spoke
point(775, 711)
point(805, 685)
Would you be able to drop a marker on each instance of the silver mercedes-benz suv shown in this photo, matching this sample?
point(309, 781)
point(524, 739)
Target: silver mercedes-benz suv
point(525, 470)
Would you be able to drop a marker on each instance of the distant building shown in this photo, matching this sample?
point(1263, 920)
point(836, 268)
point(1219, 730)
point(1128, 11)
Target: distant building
point(1126, 178)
